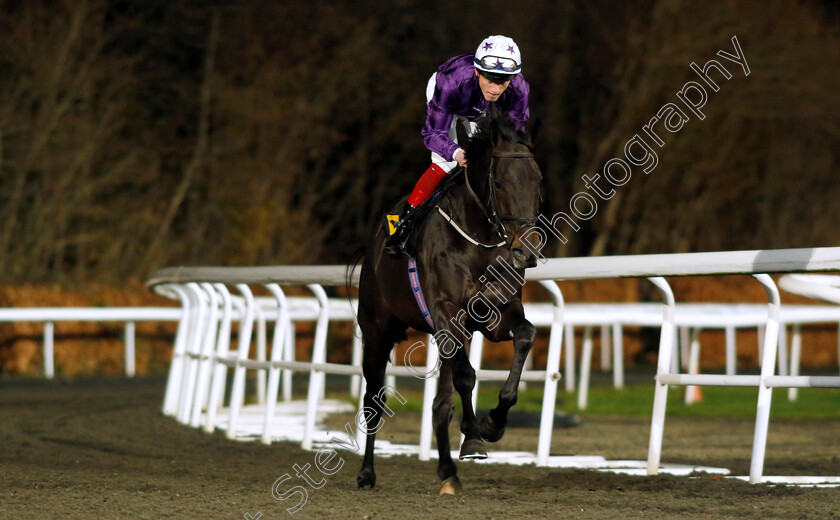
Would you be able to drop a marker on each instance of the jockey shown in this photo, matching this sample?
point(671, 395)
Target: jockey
point(462, 89)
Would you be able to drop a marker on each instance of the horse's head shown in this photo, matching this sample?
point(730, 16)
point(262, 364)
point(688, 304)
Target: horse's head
point(506, 181)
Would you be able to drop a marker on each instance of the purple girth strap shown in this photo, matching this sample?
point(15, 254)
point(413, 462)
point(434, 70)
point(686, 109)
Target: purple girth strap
point(414, 278)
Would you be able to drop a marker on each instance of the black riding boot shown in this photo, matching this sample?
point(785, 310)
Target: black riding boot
point(396, 243)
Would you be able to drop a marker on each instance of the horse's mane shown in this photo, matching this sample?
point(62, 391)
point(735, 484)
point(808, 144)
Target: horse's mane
point(479, 142)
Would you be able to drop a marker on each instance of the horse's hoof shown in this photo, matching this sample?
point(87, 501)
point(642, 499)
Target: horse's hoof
point(488, 430)
point(451, 486)
point(473, 449)
point(366, 477)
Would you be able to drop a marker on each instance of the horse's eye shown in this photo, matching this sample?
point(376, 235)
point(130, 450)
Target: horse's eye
point(498, 184)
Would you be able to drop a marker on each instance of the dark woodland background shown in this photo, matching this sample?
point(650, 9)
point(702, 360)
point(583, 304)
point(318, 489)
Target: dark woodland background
point(135, 135)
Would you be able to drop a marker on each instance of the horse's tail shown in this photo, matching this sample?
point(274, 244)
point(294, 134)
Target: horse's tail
point(355, 259)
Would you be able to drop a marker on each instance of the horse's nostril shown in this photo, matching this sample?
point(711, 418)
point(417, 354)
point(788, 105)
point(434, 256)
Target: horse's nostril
point(522, 258)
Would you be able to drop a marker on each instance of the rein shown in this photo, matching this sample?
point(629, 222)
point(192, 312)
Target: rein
point(464, 233)
point(493, 216)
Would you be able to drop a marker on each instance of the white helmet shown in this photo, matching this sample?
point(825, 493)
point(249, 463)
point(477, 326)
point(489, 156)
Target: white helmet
point(498, 55)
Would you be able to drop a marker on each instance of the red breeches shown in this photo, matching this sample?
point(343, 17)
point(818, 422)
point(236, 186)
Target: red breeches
point(426, 185)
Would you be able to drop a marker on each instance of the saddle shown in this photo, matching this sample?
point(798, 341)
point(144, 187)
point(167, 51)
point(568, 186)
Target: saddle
point(414, 221)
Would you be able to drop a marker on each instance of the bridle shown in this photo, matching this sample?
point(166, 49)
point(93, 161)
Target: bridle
point(492, 211)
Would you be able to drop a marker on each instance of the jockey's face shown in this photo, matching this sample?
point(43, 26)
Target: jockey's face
point(492, 91)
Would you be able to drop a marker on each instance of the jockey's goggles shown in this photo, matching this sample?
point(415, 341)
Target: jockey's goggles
point(497, 63)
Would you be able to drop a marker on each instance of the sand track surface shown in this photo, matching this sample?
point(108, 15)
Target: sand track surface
point(101, 448)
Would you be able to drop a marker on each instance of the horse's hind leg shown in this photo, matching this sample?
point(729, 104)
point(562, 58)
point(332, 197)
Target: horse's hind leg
point(441, 417)
point(492, 426)
point(378, 345)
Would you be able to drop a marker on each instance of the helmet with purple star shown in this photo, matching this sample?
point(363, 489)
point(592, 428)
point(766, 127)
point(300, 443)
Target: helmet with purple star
point(497, 59)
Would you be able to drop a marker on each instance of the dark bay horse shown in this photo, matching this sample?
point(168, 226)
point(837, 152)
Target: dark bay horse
point(470, 259)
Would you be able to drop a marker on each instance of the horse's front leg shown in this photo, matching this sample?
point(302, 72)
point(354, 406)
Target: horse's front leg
point(463, 378)
point(441, 416)
point(452, 348)
point(492, 426)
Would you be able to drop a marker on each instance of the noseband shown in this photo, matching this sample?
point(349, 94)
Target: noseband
point(492, 211)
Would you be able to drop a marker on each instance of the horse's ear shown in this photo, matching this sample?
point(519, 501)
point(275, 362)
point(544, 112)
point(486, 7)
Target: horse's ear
point(461, 132)
point(534, 133)
point(495, 133)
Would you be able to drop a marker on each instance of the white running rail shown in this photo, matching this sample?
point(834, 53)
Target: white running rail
point(199, 343)
point(50, 315)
